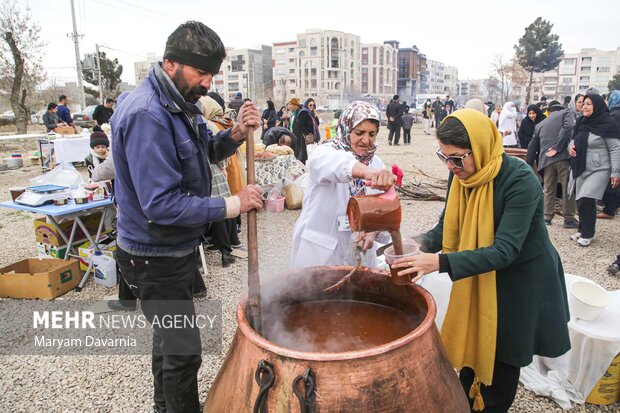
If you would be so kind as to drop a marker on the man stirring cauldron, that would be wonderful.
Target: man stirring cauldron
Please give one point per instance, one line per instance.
(161, 150)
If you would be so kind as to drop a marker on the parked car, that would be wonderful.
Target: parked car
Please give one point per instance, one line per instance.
(84, 118)
(9, 116)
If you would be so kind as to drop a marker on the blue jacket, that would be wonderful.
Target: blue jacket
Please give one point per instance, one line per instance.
(64, 114)
(163, 178)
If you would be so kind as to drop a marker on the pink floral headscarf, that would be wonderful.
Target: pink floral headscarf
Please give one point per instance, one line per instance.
(351, 116)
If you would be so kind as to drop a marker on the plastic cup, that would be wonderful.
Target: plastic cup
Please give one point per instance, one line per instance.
(410, 248)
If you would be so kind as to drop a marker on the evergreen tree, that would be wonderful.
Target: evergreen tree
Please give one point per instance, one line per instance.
(538, 50)
(111, 73)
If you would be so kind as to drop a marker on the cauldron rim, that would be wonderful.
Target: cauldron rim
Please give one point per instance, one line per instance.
(244, 327)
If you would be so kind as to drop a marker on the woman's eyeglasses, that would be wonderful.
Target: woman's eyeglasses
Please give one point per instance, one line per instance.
(456, 161)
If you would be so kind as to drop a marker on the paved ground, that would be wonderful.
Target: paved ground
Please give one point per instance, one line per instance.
(123, 383)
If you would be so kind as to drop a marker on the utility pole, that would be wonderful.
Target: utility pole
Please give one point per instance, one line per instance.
(78, 62)
(101, 90)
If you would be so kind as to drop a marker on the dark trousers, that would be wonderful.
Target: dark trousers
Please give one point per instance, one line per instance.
(586, 208)
(221, 233)
(176, 351)
(124, 291)
(499, 396)
(127, 297)
(394, 133)
(406, 135)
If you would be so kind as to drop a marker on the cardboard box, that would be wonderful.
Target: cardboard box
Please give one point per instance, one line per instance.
(39, 278)
(45, 232)
(65, 130)
(50, 251)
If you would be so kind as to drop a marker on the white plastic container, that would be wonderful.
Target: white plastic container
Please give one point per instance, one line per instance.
(104, 268)
(587, 300)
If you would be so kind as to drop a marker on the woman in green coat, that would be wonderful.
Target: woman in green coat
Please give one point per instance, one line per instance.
(508, 300)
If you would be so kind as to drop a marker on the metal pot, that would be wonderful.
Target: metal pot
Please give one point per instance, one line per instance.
(409, 374)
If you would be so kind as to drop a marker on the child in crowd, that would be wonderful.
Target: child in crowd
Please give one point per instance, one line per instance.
(99, 144)
(407, 124)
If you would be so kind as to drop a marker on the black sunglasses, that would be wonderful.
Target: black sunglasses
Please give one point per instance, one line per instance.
(456, 161)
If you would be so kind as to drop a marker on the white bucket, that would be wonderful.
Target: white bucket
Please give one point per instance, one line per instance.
(14, 163)
(587, 300)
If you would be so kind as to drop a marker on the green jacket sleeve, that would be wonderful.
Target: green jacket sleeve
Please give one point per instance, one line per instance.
(521, 195)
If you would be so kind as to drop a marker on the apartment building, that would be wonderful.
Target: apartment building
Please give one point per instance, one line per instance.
(141, 68)
(379, 77)
(470, 89)
(590, 68)
(440, 79)
(284, 71)
(322, 64)
(411, 71)
(248, 71)
(576, 73)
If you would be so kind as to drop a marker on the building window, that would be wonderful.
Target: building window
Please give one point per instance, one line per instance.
(313, 51)
(279, 50)
(313, 42)
(585, 69)
(567, 80)
(291, 60)
(302, 43)
(313, 72)
(291, 49)
(586, 60)
(603, 69)
(313, 83)
(291, 71)
(571, 61)
(584, 78)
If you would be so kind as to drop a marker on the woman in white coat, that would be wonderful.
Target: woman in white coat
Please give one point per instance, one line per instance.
(338, 170)
(507, 124)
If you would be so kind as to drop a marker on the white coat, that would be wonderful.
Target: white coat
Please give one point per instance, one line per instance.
(508, 122)
(316, 238)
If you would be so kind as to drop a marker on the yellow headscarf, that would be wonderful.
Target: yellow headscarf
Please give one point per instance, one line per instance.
(469, 331)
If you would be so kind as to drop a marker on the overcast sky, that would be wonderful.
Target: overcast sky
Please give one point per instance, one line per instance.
(462, 33)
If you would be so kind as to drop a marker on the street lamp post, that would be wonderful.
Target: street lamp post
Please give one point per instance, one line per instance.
(101, 89)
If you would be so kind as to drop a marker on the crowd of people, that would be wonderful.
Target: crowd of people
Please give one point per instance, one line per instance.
(575, 147)
(491, 329)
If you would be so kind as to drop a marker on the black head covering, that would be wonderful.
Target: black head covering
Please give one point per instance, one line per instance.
(218, 99)
(526, 130)
(599, 123)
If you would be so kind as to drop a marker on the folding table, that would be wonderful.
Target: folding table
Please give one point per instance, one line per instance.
(74, 211)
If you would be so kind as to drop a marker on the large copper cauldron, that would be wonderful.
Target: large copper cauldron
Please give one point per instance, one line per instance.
(409, 374)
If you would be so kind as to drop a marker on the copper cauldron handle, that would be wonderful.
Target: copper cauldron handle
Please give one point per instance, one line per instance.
(265, 377)
(307, 398)
(253, 277)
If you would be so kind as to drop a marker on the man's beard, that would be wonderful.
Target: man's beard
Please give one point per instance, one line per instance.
(189, 94)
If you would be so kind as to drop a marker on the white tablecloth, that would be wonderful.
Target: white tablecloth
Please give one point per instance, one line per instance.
(71, 149)
(572, 376)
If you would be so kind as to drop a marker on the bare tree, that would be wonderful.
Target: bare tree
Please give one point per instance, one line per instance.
(499, 70)
(493, 89)
(20, 58)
